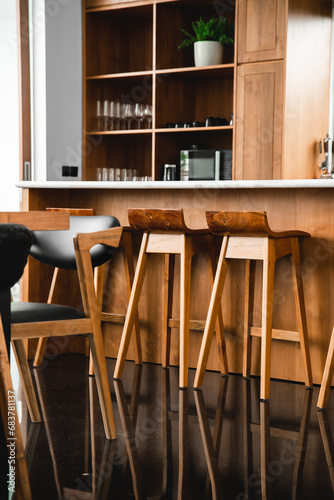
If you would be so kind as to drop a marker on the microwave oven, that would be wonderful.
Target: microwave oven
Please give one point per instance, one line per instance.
(206, 165)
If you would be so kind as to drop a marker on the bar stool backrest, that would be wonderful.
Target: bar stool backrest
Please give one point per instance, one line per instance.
(55, 248)
(160, 220)
(241, 223)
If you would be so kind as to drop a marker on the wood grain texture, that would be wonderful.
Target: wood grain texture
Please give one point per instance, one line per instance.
(23, 53)
(259, 120)
(262, 30)
(305, 209)
(36, 221)
(73, 211)
(245, 223)
(160, 220)
(327, 376)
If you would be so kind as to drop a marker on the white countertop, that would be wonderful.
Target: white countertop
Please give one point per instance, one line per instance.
(276, 184)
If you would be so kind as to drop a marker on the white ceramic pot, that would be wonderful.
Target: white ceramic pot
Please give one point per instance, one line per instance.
(208, 53)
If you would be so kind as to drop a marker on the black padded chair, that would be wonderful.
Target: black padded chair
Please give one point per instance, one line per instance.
(15, 241)
(43, 320)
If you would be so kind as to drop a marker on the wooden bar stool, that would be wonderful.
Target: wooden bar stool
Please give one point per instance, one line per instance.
(165, 232)
(247, 236)
(327, 376)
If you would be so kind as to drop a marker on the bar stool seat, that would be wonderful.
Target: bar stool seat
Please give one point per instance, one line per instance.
(165, 232)
(247, 236)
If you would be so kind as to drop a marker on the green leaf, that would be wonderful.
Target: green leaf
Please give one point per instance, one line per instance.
(215, 29)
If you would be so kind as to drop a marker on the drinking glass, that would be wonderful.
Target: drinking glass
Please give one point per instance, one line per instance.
(148, 115)
(112, 115)
(128, 115)
(117, 115)
(139, 114)
(106, 115)
(111, 174)
(99, 174)
(104, 174)
(123, 121)
(99, 115)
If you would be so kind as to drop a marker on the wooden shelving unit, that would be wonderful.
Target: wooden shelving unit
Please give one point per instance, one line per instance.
(130, 54)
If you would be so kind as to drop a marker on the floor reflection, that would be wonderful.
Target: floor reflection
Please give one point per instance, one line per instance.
(220, 442)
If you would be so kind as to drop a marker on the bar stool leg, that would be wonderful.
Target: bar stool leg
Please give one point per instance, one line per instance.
(42, 341)
(186, 257)
(167, 307)
(300, 310)
(267, 316)
(248, 315)
(27, 383)
(220, 338)
(212, 314)
(129, 274)
(98, 283)
(132, 306)
(327, 376)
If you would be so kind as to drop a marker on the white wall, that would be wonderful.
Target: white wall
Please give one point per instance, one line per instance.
(57, 87)
(9, 132)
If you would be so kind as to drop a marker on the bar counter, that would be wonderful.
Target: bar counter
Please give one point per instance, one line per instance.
(291, 204)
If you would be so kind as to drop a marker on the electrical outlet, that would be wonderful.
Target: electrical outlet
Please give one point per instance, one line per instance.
(67, 171)
(73, 171)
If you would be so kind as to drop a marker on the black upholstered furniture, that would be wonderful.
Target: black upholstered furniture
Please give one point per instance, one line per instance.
(94, 240)
(56, 249)
(15, 241)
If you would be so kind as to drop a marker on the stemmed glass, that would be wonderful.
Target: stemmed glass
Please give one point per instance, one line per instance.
(99, 118)
(128, 115)
(139, 114)
(148, 115)
(112, 115)
(117, 115)
(105, 115)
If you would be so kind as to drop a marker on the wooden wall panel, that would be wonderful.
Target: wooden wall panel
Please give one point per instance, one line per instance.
(262, 29)
(259, 118)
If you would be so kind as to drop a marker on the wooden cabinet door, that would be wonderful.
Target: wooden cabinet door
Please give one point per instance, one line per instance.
(261, 30)
(259, 121)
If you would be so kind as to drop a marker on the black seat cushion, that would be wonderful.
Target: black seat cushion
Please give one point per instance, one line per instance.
(15, 241)
(56, 248)
(32, 312)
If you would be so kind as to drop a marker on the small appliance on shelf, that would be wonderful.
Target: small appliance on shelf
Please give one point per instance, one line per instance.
(206, 164)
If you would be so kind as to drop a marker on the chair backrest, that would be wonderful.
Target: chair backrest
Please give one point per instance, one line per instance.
(15, 242)
(55, 248)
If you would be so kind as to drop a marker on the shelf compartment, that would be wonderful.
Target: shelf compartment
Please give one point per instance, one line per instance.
(119, 41)
(171, 17)
(119, 151)
(183, 99)
(126, 90)
(169, 146)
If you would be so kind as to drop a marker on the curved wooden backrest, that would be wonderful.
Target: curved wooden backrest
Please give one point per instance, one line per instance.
(245, 223)
(73, 211)
(160, 220)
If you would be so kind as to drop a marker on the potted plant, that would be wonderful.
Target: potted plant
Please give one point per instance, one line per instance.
(208, 40)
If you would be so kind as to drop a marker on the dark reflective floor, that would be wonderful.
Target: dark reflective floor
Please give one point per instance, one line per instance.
(220, 442)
